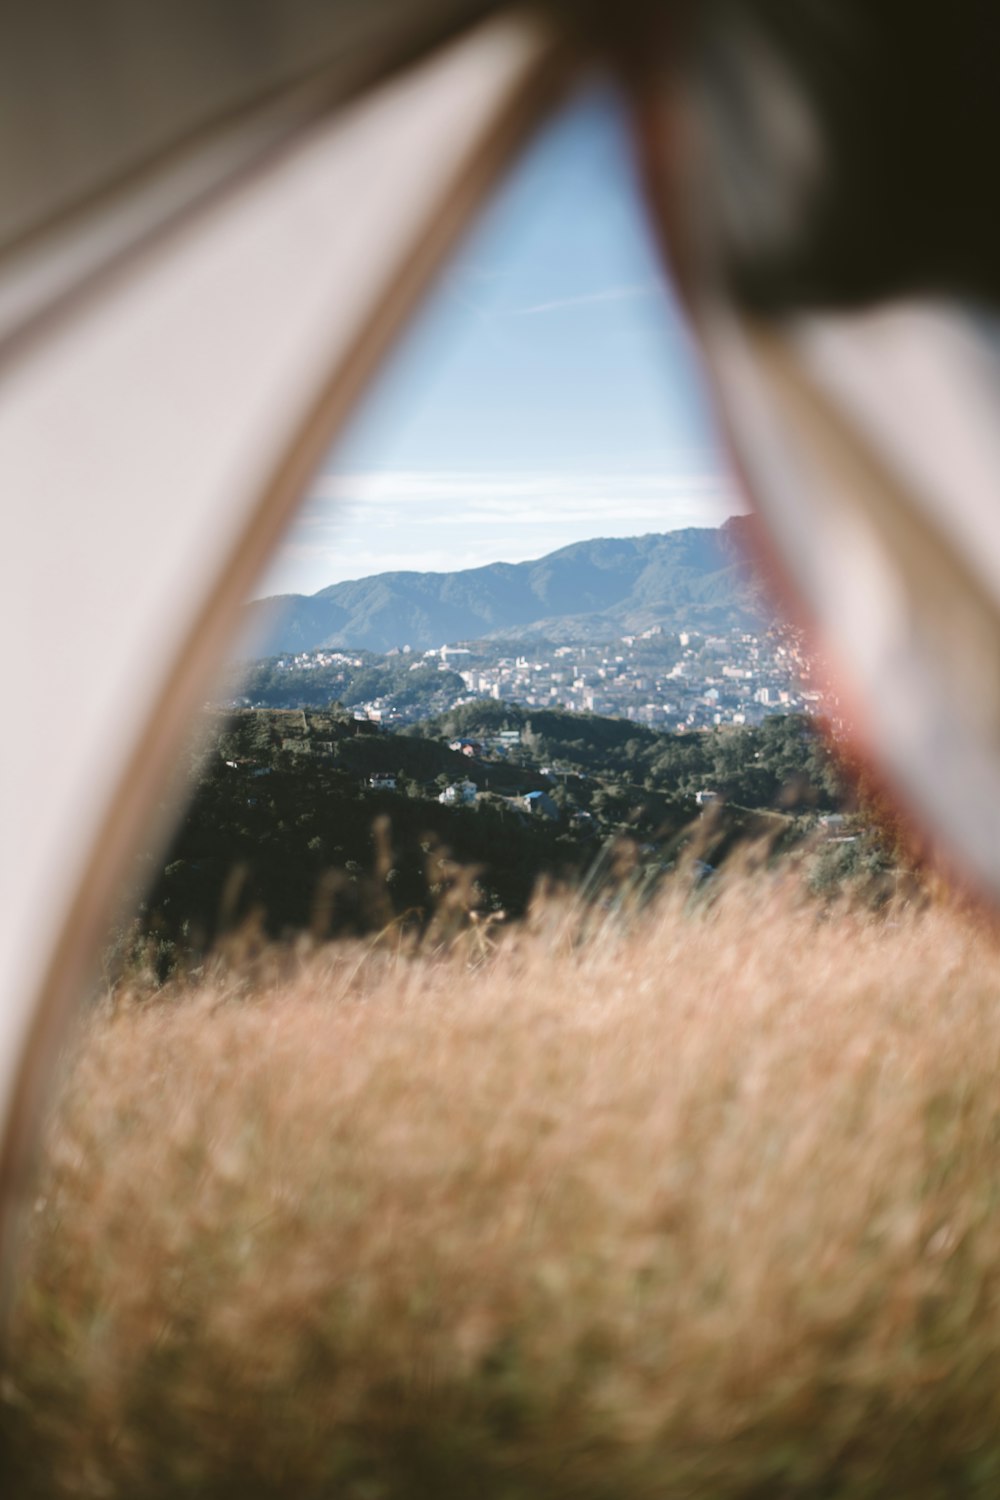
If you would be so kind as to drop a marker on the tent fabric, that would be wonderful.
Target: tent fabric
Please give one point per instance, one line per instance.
(871, 444)
(154, 437)
(840, 260)
(93, 94)
(121, 118)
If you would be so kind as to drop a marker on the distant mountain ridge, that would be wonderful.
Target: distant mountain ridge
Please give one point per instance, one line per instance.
(699, 577)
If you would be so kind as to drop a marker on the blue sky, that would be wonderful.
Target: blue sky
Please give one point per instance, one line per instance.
(546, 393)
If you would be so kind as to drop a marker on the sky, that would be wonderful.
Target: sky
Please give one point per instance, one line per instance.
(546, 393)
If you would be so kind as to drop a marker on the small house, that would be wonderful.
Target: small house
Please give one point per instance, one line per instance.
(382, 782)
(540, 804)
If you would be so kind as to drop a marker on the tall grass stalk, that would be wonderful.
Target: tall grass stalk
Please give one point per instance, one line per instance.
(705, 1203)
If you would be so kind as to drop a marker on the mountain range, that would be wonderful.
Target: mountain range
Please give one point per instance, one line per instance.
(697, 578)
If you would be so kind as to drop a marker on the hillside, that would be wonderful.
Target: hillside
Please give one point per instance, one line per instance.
(306, 821)
(698, 578)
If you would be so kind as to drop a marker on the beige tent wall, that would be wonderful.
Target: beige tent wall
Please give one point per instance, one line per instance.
(872, 445)
(101, 93)
(155, 433)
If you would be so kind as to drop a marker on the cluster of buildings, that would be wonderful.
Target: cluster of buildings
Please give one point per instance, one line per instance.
(312, 661)
(466, 793)
(681, 681)
(677, 681)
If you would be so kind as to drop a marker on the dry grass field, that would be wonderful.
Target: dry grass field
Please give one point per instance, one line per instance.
(701, 1204)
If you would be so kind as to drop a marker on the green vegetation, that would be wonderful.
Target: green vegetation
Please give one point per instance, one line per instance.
(783, 762)
(286, 832)
(358, 678)
(312, 821)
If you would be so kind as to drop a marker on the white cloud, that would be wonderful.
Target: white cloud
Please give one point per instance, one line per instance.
(401, 487)
(356, 524)
(589, 299)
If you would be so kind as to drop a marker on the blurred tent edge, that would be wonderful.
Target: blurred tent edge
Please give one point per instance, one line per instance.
(217, 214)
(826, 154)
(818, 172)
(179, 354)
(99, 98)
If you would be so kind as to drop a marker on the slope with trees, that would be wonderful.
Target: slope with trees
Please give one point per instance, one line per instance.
(698, 578)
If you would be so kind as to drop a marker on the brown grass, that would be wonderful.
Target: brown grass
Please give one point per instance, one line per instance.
(702, 1205)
